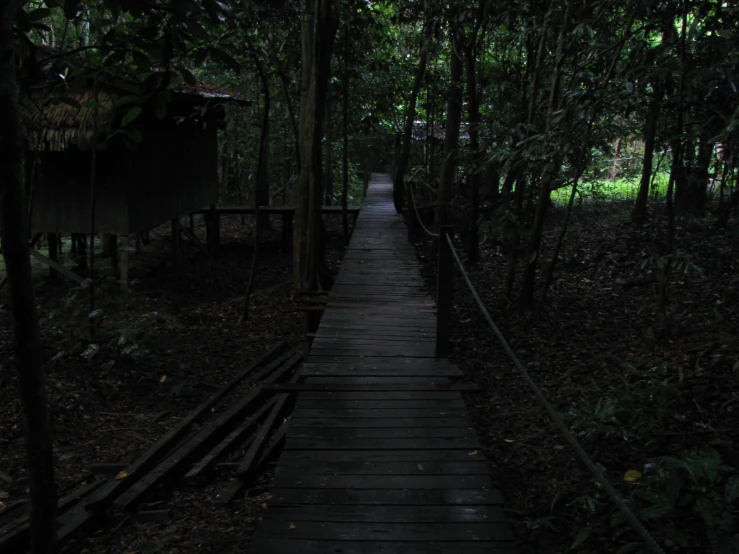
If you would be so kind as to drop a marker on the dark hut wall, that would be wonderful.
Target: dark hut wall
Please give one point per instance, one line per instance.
(61, 193)
(171, 173)
(175, 174)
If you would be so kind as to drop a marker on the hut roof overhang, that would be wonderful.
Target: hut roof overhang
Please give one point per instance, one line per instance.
(58, 114)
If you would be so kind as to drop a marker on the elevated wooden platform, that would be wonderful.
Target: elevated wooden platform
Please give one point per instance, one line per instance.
(392, 469)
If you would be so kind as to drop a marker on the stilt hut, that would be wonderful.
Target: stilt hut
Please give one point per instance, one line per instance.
(155, 154)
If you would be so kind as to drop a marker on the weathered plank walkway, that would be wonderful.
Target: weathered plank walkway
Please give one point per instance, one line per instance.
(392, 471)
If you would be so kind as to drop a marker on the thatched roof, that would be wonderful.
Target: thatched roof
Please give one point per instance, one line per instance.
(71, 119)
(56, 117)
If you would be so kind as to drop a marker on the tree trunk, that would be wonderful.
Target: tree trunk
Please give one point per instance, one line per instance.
(328, 158)
(345, 149)
(650, 133)
(14, 216)
(318, 33)
(410, 116)
(451, 140)
(473, 107)
(261, 184)
(545, 185)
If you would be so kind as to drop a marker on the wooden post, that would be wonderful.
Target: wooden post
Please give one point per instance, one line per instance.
(110, 244)
(122, 260)
(176, 243)
(214, 228)
(287, 229)
(444, 290)
(53, 241)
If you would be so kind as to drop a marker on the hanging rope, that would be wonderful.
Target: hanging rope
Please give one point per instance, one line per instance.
(418, 216)
(557, 420)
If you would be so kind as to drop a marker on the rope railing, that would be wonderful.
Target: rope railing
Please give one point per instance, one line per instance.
(418, 216)
(447, 253)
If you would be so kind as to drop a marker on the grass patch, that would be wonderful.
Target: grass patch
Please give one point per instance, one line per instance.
(607, 190)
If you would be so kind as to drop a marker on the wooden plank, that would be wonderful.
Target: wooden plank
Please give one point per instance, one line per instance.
(396, 395)
(247, 463)
(232, 439)
(401, 455)
(111, 490)
(427, 382)
(379, 444)
(384, 497)
(15, 535)
(349, 413)
(364, 371)
(377, 422)
(263, 544)
(387, 514)
(231, 491)
(339, 435)
(377, 403)
(209, 433)
(379, 532)
(295, 470)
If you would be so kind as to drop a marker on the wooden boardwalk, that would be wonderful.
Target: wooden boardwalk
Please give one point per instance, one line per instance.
(392, 471)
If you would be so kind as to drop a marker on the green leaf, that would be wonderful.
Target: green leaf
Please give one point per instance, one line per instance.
(136, 136)
(731, 490)
(582, 536)
(224, 59)
(657, 510)
(188, 77)
(132, 114)
(39, 13)
(123, 100)
(141, 59)
(90, 351)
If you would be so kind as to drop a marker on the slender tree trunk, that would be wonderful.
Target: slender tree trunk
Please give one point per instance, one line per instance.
(252, 269)
(14, 216)
(650, 134)
(410, 116)
(677, 165)
(261, 184)
(473, 108)
(301, 196)
(545, 185)
(451, 140)
(328, 157)
(345, 149)
(318, 33)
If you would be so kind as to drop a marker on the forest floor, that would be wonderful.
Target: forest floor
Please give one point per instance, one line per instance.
(634, 398)
(665, 407)
(163, 349)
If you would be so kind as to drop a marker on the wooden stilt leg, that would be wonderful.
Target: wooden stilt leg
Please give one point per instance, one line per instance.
(122, 256)
(53, 239)
(111, 245)
(176, 243)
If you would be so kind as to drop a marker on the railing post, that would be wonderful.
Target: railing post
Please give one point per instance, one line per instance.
(444, 290)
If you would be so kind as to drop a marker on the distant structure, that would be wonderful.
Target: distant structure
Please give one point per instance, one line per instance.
(160, 166)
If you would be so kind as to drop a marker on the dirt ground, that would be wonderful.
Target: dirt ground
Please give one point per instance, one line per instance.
(163, 349)
(597, 340)
(166, 346)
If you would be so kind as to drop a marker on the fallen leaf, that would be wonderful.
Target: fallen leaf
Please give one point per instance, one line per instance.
(420, 467)
(292, 526)
(473, 453)
(632, 476)
(121, 475)
(164, 378)
(264, 505)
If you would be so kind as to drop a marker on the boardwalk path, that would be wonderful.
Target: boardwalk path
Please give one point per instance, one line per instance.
(395, 471)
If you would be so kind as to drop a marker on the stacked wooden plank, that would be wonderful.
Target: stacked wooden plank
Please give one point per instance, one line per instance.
(383, 459)
(240, 416)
